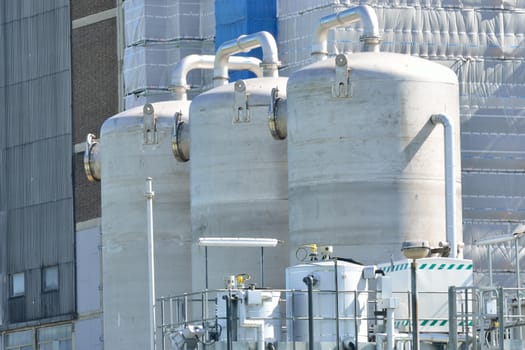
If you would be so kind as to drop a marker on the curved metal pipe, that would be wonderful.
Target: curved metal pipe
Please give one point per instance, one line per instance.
(363, 13)
(245, 43)
(180, 86)
(450, 180)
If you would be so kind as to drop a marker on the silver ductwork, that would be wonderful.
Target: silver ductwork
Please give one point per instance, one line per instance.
(450, 180)
(245, 43)
(363, 13)
(184, 66)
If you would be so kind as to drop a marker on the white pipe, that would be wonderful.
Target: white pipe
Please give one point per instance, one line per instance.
(363, 13)
(149, 194)
(245, 43)
(184, 66)
(450, 180)
(390, 328)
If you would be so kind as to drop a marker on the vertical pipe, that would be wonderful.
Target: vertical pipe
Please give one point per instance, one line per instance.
(501, 319)
(206, 266)
(162, 303)
(229, 341)
(389, 328)
(490, 265)
(450, 180)
(518, 282)
(149, 194)
(356, 329)
(337, 339)
(415, 321)
(262, 267)
(309, 281)
(452, 319)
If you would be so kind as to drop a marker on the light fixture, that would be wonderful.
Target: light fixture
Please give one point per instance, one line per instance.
(416, 249)
(237, 242)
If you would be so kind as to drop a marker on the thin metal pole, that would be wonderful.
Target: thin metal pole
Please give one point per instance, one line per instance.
(452, 319)
(262, 267)
(336, 281)
(501, 315)
(206, 265)
(490, 265)
(149, 194)
(415, 321)
(518, 282)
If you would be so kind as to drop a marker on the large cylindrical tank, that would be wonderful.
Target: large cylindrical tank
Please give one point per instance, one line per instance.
(345, 300)
(136, 144)
(366, 165)
(238, 182)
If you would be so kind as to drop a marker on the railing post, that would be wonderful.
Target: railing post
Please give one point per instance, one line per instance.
(501, 319)
(452, 319)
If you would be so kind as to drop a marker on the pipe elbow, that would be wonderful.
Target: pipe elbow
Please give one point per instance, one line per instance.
(363, 13)
(369, 20)
(441, 119)
(245, 43)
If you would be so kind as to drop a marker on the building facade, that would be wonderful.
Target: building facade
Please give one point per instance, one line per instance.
(68, 65)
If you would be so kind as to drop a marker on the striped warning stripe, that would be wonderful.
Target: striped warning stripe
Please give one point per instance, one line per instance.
(430, 323)
(427, 266)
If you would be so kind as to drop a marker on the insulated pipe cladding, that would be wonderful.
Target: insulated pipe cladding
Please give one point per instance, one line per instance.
(363, 13)
(245, 43)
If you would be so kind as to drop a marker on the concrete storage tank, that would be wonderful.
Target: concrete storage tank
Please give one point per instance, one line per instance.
(238, 172)
(366, 167)
(134, 145)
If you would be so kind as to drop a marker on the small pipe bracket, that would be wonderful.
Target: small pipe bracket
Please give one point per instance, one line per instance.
(150, 125)
(341, 87)
(241, 110)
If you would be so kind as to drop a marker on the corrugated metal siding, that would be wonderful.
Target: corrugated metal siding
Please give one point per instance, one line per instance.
(36, 190)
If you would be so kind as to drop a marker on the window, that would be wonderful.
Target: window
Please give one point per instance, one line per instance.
(18, 284)
(55, 338)
(19, 340)
(50, 278)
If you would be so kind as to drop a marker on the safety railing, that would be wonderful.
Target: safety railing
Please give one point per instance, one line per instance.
(486, 318)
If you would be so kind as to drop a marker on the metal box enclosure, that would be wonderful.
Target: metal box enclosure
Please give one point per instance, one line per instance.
(349, 304)
(434, 277)
(366, 166)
